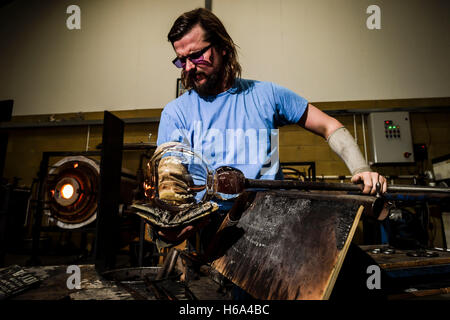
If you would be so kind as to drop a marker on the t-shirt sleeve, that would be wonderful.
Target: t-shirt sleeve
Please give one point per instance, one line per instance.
(289, 105)
(170, 128)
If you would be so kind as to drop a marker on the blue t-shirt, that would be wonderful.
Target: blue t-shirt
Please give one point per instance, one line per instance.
(237, 128)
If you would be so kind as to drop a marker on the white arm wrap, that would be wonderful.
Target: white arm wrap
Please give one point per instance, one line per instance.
(342, 142)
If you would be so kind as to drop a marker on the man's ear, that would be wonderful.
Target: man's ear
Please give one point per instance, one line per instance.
(224, 52)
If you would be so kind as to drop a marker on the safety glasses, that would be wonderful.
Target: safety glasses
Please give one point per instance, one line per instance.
(195, 58)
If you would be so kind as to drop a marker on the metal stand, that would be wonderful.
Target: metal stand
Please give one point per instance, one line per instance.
(311, 168)
(5, 192)
(109, 193)
(5, 115)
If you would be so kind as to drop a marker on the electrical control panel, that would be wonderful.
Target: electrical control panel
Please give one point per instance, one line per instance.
(390, 137)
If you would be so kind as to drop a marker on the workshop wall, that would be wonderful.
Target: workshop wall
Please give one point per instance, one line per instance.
(120, 59)
(25, 146)
(325, 51)
(429, 128)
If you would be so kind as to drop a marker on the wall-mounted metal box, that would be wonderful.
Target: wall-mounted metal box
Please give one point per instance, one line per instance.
(390, 137)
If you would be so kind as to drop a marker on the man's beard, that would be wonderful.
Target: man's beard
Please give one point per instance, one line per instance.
(210, 87)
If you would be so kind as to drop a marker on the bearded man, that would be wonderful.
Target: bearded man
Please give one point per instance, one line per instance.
(233, 121)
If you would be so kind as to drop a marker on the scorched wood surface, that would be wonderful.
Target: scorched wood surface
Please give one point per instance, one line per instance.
(290, 244)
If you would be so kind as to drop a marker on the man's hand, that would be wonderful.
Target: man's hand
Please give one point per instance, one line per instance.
(370, 180)
(179, 235)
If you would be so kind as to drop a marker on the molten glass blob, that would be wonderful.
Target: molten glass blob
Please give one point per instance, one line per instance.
(177, 178)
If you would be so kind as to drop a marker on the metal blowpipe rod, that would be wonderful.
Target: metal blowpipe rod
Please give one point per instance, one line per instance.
(288, 184)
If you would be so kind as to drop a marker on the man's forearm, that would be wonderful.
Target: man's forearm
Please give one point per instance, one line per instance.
(342, 142)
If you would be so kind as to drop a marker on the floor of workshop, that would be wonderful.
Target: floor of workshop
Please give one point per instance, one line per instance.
(123, 261)
(54, 260)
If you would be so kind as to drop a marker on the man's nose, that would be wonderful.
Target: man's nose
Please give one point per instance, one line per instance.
(189, 65)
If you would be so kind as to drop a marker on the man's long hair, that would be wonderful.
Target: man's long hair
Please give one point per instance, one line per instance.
(215, 33)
